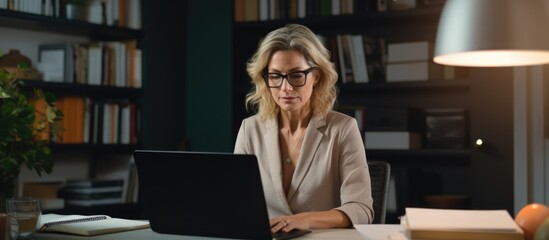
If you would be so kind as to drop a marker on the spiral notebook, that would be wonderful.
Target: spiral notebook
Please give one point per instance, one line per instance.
(88, 225)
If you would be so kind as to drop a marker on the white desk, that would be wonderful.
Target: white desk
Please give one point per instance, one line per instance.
(342, 234)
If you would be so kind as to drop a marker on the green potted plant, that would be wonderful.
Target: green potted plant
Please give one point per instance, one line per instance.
(26, 121)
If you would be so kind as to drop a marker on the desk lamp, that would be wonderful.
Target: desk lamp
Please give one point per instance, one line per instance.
(493, 33)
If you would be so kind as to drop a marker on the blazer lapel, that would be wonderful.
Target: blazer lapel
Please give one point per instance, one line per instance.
(273, 154)
(311, 141)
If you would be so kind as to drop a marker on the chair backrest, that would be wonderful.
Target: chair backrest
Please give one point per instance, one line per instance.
(380, 173)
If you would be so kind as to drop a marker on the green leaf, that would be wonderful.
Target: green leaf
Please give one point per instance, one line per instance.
(18, 147)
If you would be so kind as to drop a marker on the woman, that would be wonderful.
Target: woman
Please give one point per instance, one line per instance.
(312, 159)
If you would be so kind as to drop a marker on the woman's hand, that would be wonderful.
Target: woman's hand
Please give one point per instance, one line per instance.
(289, 223)
(307, 220)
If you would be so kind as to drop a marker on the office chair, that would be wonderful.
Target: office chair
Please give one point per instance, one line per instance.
(380, 173)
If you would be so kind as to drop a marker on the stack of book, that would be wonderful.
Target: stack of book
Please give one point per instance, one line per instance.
(92, 192)
(394, 128)
(423, 223)
(411, 61)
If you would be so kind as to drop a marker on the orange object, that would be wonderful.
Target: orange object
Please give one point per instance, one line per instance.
(543, 230)
(530, 217)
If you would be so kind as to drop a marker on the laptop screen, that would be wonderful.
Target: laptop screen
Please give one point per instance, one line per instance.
(203, 194)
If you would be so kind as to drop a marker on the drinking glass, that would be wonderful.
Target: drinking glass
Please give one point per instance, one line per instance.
(26, 212)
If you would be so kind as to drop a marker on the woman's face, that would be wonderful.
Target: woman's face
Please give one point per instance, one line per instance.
(288, 97)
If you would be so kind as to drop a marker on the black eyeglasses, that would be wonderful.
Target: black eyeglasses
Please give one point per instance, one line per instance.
(296, 79)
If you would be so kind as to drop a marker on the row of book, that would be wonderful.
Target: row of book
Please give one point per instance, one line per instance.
(360, 58)
(411, 128)
(99, 122)
(264, 10)
(123, 13)
(99, 63)
(363, 59)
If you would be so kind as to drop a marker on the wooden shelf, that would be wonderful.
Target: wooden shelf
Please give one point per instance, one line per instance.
(342, 23)
(435, 84)
(439, 156)
(35, 22)
(85, 90)
(96, 148)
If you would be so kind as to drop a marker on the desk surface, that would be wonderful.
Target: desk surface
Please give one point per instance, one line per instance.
(343, 234)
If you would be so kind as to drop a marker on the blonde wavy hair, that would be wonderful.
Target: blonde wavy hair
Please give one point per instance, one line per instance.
(302, 39)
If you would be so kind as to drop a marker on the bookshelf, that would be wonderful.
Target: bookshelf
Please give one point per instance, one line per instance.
(457, 171)
(26, 31)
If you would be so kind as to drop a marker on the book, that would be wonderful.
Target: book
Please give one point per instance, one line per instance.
(94, 196)
(344, 54)
(94, 183)
(93, 202)
(424, 223)
(392, 140)
(410, 51)
(414, 71)
(358, 59)
(374, 50)
(88, 225)
(56, 62)
(91, 190)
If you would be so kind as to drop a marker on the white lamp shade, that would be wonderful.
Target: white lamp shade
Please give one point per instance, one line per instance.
(493, 33)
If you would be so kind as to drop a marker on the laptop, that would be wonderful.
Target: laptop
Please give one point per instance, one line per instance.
(204, 194)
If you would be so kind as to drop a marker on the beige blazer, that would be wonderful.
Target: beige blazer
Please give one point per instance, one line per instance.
(331, 172)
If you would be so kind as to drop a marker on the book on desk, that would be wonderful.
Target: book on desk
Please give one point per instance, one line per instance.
(445, 224)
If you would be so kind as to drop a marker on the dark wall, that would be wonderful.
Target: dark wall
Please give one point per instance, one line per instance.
(188, 77)
(209, 75)
(164, 70)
